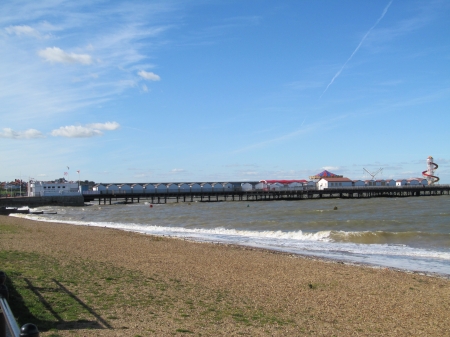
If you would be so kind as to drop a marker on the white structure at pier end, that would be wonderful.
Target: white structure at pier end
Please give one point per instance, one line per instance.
(49, 189)
(333, 183)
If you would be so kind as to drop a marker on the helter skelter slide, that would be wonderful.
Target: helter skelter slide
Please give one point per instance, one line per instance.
(429, 173)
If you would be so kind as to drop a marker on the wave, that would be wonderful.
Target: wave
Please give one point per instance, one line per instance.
(373, 248)
(410, 238)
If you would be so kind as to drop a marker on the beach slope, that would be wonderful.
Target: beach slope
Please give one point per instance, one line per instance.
(94, 281)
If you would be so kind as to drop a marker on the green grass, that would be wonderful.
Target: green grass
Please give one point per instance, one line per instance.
(60, 294)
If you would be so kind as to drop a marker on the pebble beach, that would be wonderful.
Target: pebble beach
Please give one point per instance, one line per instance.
(281, 294)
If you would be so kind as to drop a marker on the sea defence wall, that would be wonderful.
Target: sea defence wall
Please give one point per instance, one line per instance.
(76, 200)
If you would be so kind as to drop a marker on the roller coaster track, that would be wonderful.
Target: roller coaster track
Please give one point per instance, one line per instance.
(436, 179)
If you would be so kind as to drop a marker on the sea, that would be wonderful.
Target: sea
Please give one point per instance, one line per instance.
(410, 234)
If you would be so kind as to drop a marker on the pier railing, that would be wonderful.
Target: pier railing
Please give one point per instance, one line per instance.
(8, 324)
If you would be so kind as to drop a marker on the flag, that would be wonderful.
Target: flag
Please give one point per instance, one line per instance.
(78, 171)
(65, 173)
(67, 167)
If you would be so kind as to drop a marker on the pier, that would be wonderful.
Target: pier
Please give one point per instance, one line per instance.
(267, 195)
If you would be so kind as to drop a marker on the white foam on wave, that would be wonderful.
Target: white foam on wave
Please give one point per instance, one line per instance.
(298, 242)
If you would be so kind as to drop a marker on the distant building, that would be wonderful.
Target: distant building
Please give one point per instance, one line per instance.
(358, 183)
(246, 187)
(137, 188)
(400, 182)
(44, 189)
(324, 183)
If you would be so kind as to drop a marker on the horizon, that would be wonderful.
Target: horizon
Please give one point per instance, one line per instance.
(169, 91)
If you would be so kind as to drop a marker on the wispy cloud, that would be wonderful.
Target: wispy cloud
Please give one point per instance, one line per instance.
(302, 130)
(357, 48)
(55, 54)
(112, 42)
(27, 134)
(149, 76)
(22, 30)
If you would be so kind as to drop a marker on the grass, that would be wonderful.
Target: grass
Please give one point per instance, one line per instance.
(60, 294)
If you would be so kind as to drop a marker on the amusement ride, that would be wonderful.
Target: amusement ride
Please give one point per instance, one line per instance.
(429, 173)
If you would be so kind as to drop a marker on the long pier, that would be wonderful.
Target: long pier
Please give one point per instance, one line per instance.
(266, 195)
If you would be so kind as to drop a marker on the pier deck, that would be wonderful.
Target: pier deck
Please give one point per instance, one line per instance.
(262, 195)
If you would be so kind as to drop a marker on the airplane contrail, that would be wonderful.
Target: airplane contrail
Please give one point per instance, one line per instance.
(359, 45)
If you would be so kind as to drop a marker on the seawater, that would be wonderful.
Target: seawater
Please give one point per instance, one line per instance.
(405, 233)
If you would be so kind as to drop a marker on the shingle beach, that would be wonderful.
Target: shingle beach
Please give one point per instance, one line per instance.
(179, 287)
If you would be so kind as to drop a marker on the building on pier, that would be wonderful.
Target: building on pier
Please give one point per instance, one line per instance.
(124, 188)
(331, 182)
(50, 188)
(99, 188)
(358, 183)
(112, 188)
(137, 188)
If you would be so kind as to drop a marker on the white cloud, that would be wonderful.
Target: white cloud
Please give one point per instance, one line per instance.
(22, 30)
(90, 130)
(149, 75)
(177, 170)
(28, 134)
(104, 126)
(56, 54)
(74, 131)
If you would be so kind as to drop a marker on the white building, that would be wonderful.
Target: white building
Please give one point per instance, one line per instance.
(400, 182)
(246, 187)
(228, 186)
(184, 188)
(172, 188)
(358, 183)
(330, 182)
(390, 182)
(217, 187)
(310, 185)
(261, 186)
(417, 182)
(195, 187)
(161, 188)
(275, 186)
(149, 188)
(380, 182)
(137, 188)
(206, 187)
(48, 189)
(124, 188)
(112, 188)
(369, 182)
(99, 188)
(295, 186)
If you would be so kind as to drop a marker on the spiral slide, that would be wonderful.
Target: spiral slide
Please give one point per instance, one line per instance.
(436, 179)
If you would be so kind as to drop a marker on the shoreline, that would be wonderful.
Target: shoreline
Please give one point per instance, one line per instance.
(274, 250)
(303, 295)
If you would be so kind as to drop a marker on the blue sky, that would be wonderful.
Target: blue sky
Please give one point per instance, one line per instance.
(161, 91)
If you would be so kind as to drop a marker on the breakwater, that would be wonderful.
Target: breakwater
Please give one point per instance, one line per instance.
(76, 200)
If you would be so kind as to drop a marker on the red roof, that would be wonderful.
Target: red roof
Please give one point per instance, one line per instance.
(283, 181)
(337, 179)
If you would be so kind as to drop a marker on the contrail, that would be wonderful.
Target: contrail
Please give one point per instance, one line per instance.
(359, 45)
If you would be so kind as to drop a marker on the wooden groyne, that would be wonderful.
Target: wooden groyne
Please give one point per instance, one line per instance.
(266, 195)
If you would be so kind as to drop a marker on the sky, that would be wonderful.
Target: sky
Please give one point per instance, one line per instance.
(223, 90)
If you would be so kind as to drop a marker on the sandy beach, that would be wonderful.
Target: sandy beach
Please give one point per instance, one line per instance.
(218, 290)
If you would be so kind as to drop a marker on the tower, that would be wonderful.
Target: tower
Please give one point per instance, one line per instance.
(429, 173)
